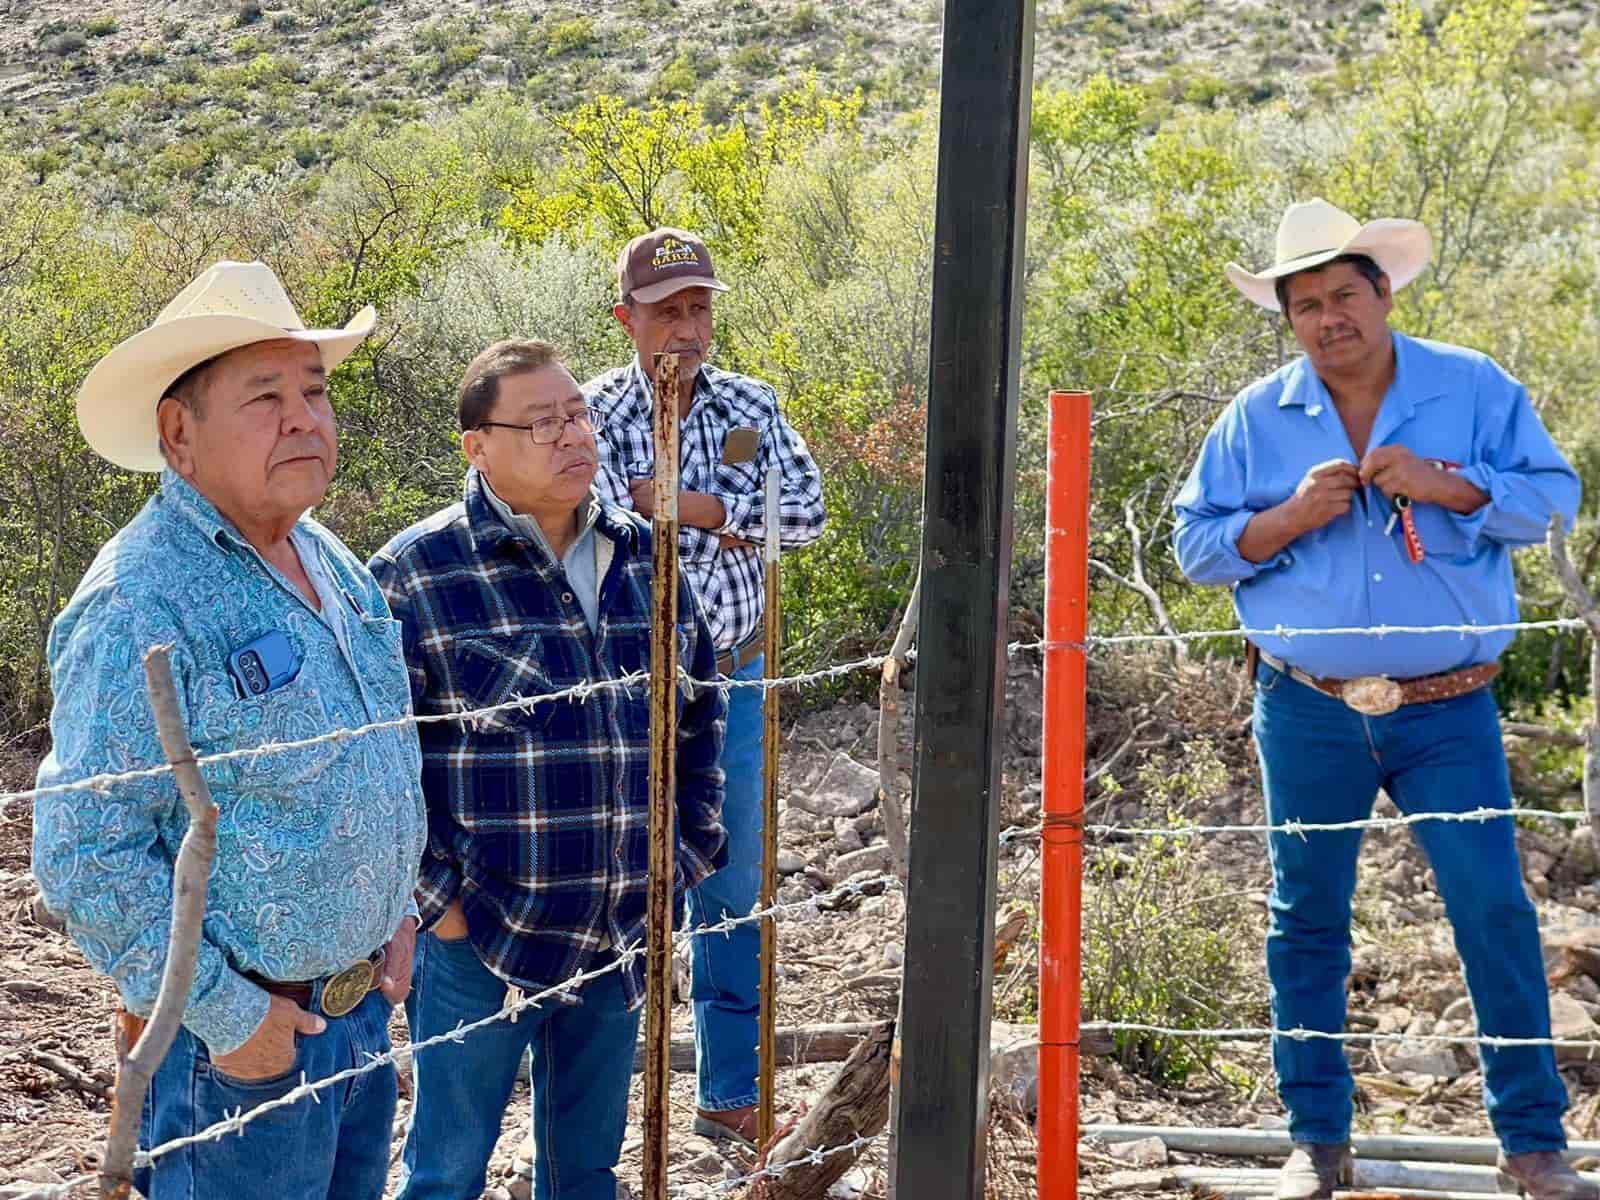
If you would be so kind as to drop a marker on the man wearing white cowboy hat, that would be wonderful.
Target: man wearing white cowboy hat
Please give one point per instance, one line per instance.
(278, 634)
(1382, 480)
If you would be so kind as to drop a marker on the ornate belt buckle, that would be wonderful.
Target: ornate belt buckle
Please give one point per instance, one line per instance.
(1372, 695)
(344, 991)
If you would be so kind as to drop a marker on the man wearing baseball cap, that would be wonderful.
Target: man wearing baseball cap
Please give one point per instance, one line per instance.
(731, 434)
(277, 634)
(1382, 480)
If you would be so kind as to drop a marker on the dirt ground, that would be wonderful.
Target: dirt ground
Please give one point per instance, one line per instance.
(840, 965)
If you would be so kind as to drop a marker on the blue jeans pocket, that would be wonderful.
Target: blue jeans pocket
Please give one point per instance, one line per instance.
(251, 1092)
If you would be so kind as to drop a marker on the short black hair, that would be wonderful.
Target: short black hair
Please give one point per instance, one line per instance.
(1365, 267)
(189, 388)
(480, 384)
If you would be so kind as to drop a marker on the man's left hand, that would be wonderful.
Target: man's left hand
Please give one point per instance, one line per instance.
(397, 957)
(643, 492)
(1397, 471)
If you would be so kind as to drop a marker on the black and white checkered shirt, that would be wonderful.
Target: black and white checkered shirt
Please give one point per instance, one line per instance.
(730, 582)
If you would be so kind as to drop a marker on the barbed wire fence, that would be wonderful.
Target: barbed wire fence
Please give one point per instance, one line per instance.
(238, 1123)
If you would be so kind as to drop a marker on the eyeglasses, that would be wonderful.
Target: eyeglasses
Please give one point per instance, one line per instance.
(546, 431)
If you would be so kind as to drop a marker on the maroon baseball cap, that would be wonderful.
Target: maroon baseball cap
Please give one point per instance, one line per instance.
(655, 265)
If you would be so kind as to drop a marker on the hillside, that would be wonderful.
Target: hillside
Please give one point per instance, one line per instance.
(119, 88)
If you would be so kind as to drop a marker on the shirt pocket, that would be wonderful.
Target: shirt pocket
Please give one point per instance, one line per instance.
(380, 658)
(495, 671)
(295, 712)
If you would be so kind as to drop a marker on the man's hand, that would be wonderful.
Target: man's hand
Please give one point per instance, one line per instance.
(451, 927)
(727, 541)
(643, 492)
(270, 1050)
(1324, 495)
(1399, 472)
(397, 956)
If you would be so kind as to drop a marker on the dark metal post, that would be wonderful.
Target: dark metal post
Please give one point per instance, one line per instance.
(966, 581)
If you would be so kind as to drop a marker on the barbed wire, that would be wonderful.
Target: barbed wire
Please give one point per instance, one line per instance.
(821, 1154)
(1292, 827)
(583, 691)
(237, 1122)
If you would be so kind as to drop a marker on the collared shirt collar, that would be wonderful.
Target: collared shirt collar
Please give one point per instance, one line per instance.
(190, 503)
(645, 386)
(1412, 384)
(491, 520)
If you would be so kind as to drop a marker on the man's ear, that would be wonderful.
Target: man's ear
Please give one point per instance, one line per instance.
(472, 447)
(175, 423)
(624, 316)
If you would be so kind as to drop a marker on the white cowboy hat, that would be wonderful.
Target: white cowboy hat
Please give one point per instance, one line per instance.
(230, 305)
(1316, 232)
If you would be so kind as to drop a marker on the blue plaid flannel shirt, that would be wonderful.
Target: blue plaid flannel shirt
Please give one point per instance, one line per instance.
(538, 819)
(731, 583)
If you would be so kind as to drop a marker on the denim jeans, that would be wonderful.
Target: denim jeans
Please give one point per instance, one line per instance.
(1323, 762)
(726, 967)
(338, 1148)
(582, 1064)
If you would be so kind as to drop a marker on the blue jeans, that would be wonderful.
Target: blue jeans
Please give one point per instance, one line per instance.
(726, 967)
(338, 1148)
(582, 1063)
(1322, 761)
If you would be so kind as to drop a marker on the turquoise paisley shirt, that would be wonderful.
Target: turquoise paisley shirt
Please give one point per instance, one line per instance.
(317, 848)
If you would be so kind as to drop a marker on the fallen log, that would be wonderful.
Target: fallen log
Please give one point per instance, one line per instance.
(855, 1105)
(797, 1044)
(1268, 1143)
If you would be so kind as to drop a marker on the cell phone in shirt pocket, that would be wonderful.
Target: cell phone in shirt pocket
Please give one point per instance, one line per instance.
(260, 666)
(740, 445)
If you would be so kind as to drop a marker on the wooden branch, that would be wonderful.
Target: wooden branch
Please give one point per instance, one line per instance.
(896, 827)
(855, 1104)
(190, 874)
(1542, 733)
(94, 1085)
(1583, 600)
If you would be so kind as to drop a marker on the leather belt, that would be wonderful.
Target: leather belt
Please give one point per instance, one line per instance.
(1377, 695)
(745, 652)
(341, 991)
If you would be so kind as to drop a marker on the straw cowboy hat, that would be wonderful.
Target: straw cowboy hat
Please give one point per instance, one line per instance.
(1316, 232)
(230, 305)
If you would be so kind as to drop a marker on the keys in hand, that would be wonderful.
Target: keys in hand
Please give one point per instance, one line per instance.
(1398, 503)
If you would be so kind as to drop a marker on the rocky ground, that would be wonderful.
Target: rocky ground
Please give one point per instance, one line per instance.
(840, 964)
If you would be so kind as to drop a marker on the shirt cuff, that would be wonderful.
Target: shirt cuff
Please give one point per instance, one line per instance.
(693, 869)
(739, 510)
(1228, 548)
(1471, 525)
(228, 1014)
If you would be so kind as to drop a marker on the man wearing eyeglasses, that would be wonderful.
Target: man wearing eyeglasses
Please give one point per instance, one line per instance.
(538, 812)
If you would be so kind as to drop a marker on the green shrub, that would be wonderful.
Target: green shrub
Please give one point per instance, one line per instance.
(103, 25)
(804, 18)
(249, 13)
(570, 35)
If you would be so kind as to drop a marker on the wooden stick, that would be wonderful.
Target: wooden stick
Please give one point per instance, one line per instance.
(190, 874)
(1583, 600)
(765, 1118)
(663, 781)
(896, 828)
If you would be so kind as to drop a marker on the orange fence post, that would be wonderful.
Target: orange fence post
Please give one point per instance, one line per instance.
(1066, 623)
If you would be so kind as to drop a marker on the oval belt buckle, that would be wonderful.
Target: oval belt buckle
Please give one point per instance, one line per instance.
(344, 991)
(1372, 695)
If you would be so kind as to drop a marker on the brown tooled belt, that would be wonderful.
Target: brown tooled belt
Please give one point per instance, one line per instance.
(341, 991)
(730, 661)
(1377, 695)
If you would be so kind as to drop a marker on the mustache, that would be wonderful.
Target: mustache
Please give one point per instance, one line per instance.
(300, 448)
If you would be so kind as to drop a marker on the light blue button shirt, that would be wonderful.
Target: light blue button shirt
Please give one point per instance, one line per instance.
(1446, 403)
(317, 848)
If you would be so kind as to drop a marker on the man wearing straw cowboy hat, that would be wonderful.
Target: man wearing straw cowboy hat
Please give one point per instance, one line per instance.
(278, 634)
(1382, 480)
